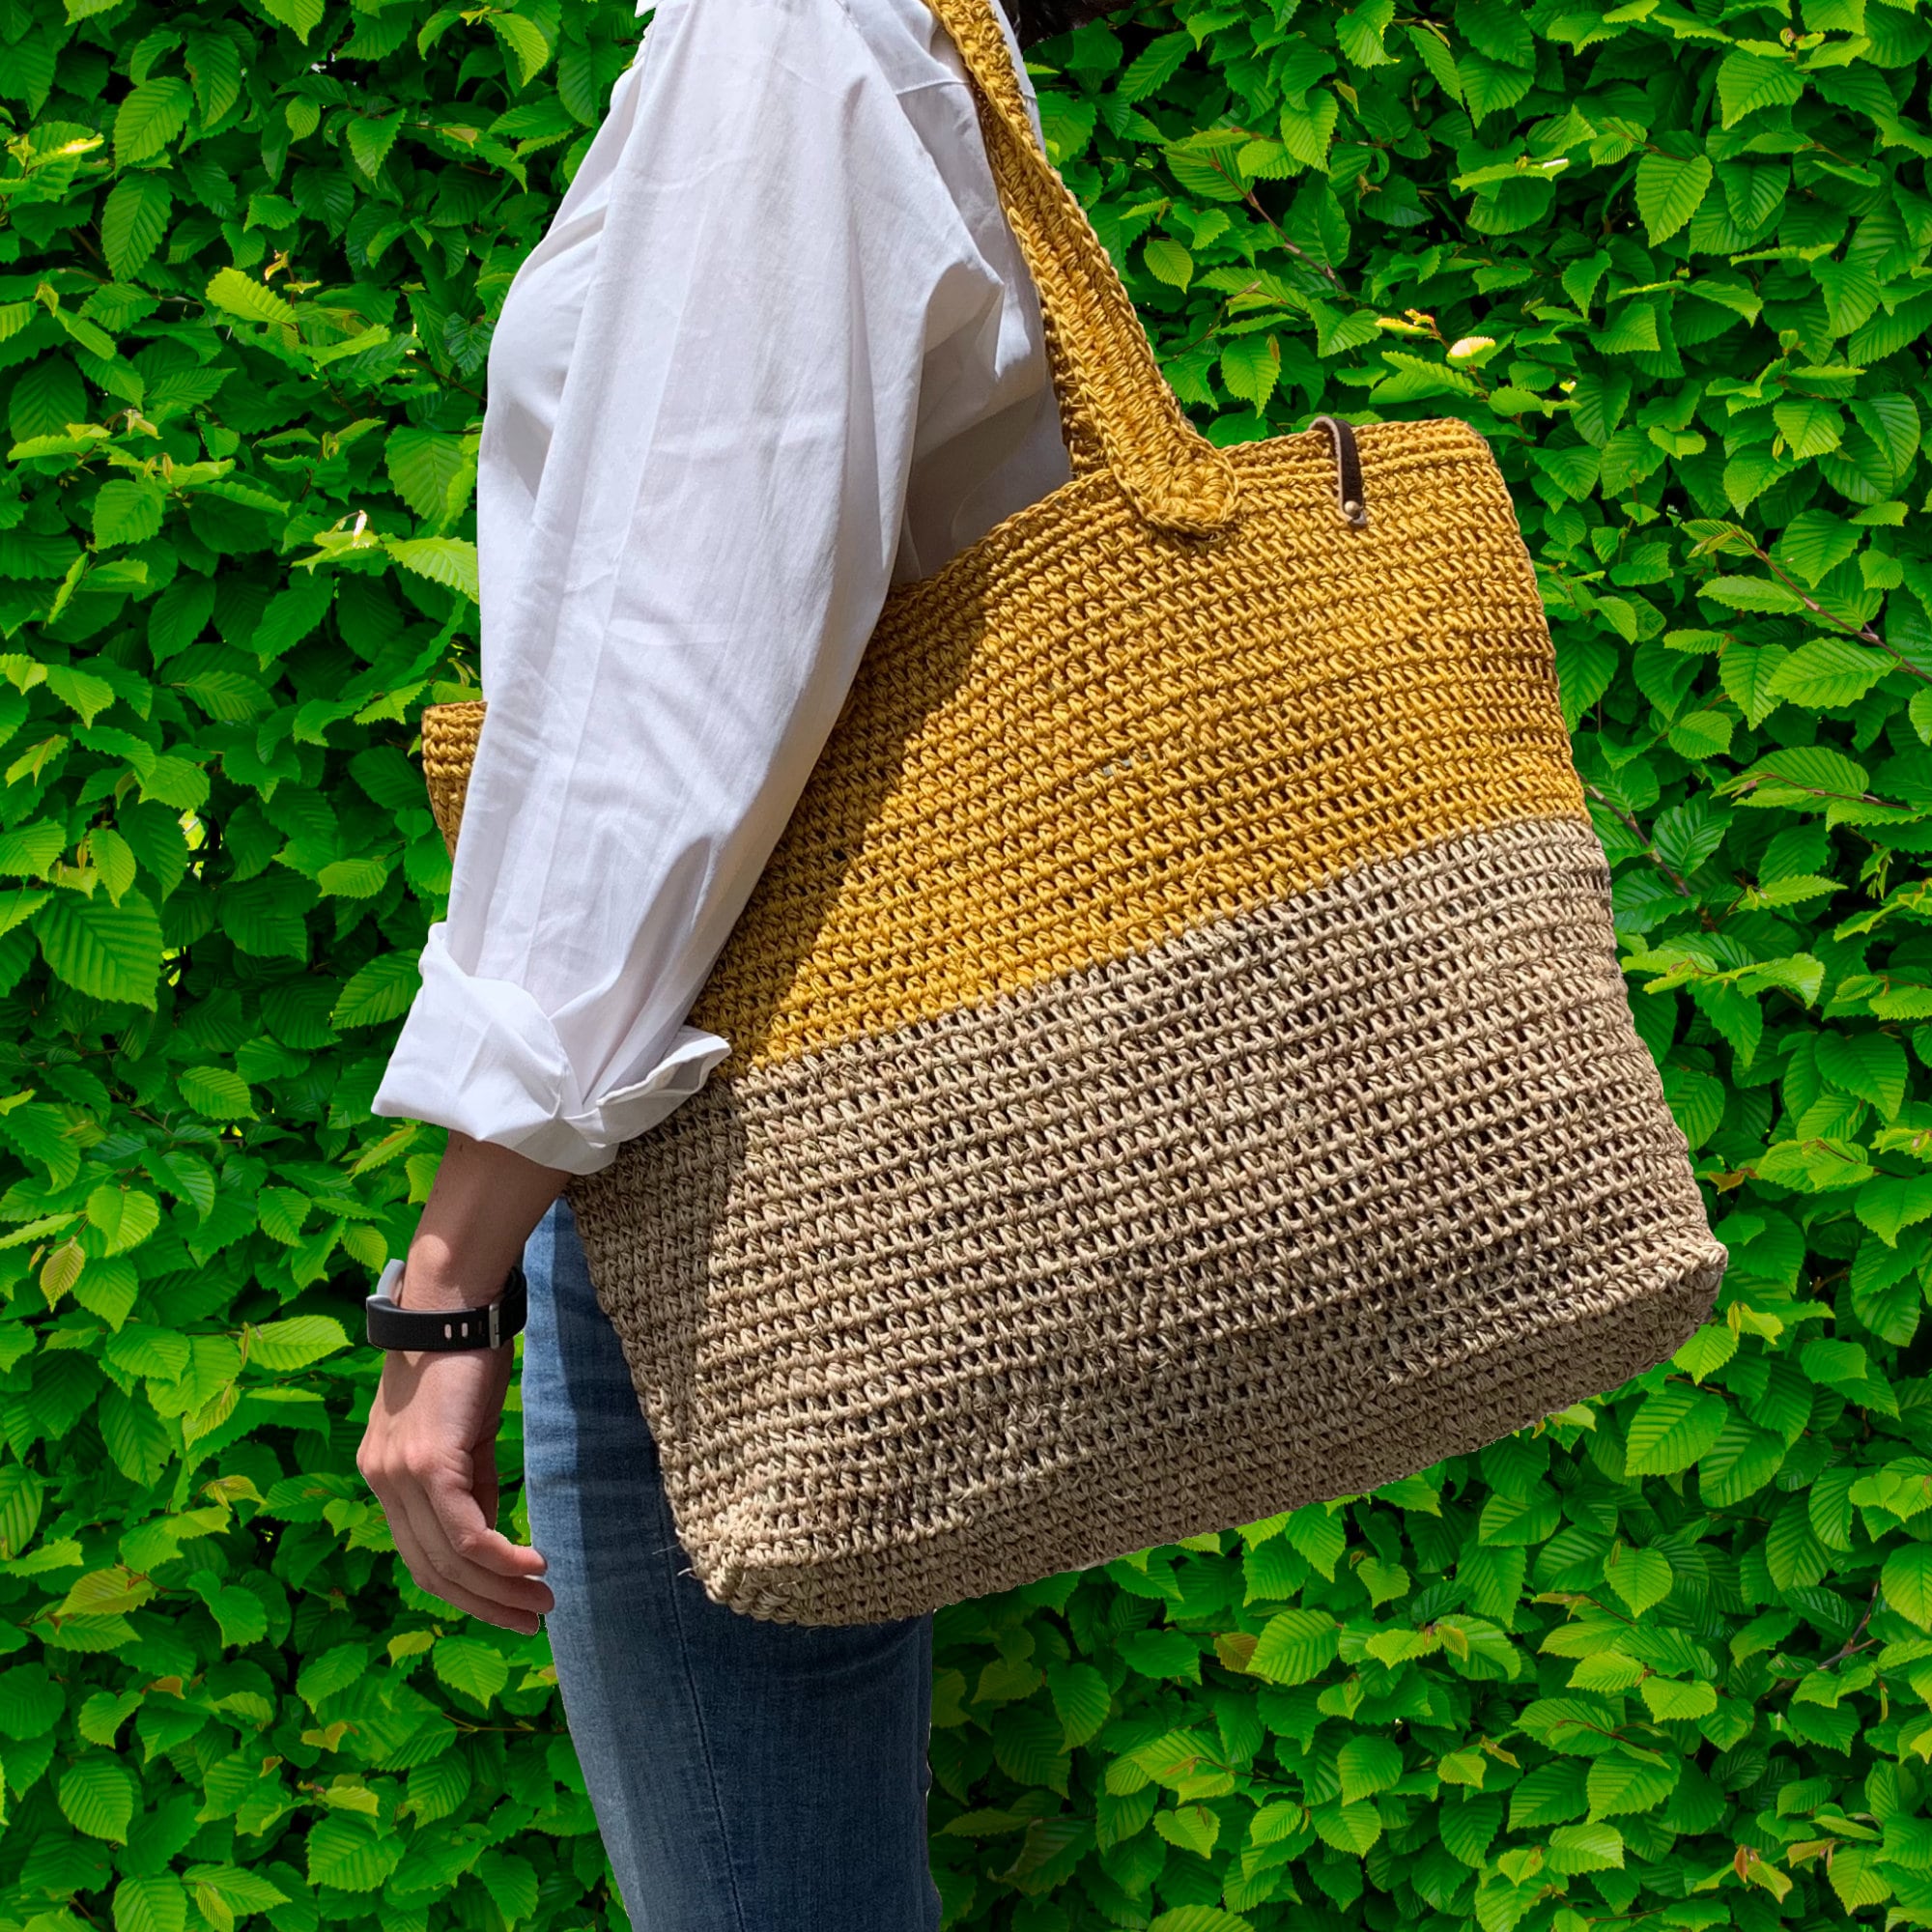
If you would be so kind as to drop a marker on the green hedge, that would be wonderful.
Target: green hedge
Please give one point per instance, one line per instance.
(1668, 1658)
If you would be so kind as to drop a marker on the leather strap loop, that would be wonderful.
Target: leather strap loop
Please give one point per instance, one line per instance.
(1352, 498)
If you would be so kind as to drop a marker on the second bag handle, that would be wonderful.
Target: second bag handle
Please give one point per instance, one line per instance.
(1116, 405)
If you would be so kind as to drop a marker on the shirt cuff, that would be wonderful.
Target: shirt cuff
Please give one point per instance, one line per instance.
(482, 1056)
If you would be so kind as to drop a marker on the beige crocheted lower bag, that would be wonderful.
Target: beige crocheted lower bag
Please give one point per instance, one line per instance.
(1180, 1067)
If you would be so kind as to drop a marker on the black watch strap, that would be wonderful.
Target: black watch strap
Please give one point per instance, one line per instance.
(438, 1329)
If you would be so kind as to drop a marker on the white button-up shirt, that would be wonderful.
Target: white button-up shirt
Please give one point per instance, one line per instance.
(776, 353)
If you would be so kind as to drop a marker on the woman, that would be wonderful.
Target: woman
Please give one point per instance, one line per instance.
(776, 353)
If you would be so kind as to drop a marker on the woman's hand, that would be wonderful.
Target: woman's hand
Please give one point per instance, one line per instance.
(428, 1451)
(430, 1455)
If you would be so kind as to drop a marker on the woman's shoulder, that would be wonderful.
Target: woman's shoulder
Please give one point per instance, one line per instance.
(891, 15)
(912, 42)
(907, 36)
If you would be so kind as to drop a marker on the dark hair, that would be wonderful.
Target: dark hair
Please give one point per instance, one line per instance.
(1040, 19)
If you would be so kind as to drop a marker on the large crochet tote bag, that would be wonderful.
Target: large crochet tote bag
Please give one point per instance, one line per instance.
(1180, 1067)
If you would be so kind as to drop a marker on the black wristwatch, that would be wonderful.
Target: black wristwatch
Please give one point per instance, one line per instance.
(490, 1327)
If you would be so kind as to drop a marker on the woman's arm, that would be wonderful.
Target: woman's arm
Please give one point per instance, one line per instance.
(484, 1205)
(675, 609)
(671, 621)
(430, 1449)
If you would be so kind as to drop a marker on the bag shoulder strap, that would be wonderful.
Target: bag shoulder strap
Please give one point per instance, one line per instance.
(1117, 408)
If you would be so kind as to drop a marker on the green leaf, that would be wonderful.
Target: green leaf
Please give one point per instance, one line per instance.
(467, 1664)
(1250, 367)
(1641, 1578)
(1800, 775)
(511, 1882)
(1368, 1765)
(1318, 1535)
(1469, 1827)
(127, 513)
(1907, 1582)
(264, 917)
(97, 1795)
(1851, 292)
(29, 850)
(378, 992)
(1669, 190)
(1360, 34)
(81, 691)
(1620, 1786)
(1081, 1698)
(444, 560)
(1295, 1646)
(214, 66)
(370, 139)
(1826, 671)
(113, 859)
(111, 952)
(295, 1343)
(1161, 1654)
(353, 878)
(301, 17)
(346, 1851)
(1168, 260)
(1748, 82)
(132, 222)
(292, 616)
(124, 1216)
(1870, 1064)
(239, 1613)
(1308, 131)
(1352, 1829)
(154, 1903)
(219, 1092)
(1489, 86)
(525, 42)
(1810, 425)
(149, 117)
(1669, 1701)
(1154, 66)
(1631, 332)
(1671, 1430)
(1738, 1464)
(1434, 48)
(1814, 543)
(424, 465)
(1028, 1746)
(1573, 1849)
(1858, 1878)
(1193, 1827)
(240, 294)
(1752, 593)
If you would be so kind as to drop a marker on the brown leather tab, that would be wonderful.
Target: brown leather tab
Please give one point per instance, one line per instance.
(1350, 497)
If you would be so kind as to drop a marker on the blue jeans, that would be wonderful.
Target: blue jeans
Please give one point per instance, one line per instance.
(747, 1776)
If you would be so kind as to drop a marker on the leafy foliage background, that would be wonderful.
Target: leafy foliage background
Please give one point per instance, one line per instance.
(1668, 1658)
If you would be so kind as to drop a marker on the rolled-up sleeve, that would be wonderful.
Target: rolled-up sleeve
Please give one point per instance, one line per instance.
(709, 544)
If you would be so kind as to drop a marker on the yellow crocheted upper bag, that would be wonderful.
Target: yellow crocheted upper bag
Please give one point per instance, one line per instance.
(1180, 1067)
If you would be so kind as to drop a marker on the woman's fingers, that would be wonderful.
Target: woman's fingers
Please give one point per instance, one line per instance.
(429, 1579)
(430, 1456)
(443, 1571)
(464, 1548)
